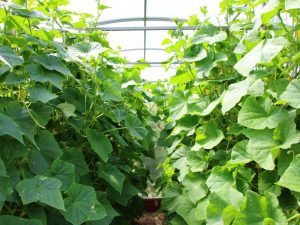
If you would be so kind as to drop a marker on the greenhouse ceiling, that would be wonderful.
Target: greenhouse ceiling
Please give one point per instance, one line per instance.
(138, 27)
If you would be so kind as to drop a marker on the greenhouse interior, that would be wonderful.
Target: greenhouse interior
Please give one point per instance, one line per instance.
(147, 112)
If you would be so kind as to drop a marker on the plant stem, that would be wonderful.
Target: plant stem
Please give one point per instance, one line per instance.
(115, 129)
(293, 217)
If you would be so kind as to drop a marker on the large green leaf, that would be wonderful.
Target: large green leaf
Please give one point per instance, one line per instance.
(112, 175)
(13, 220)
(291, 177)
(39, 93)
(239, 154)
(234, 94)
(264, 145)
(209, 136)
(98, 212)
(194, 187)
(172, 197)
(128, 192)
(2, 169)
(266, 182)
(100, 144)
(204, 66)
(194, 53)
(9, 57)
(51, 62)
(261, 113)
(291, 95)
(10, 127)
(40, 74)
(135, 127)
(178, 105)
(75, 156)
(198, 160)
(186, 123)
(221, 203)
(292, 4)
(22, 117)
(188, 211)
(30, 13)
(67, 109)
(63, 171)
(86, 50)
(6, 189)
(219, 179)
(79, 204)
(48, 145)
(264, 52)
(41, 189)
(110, 211)
(41, 112)
(48, 151)
(260, 210)
(112, 91)
(262, 148)
(210, 34)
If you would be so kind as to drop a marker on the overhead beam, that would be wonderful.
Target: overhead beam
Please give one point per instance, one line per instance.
(134, 19)
(138, 28)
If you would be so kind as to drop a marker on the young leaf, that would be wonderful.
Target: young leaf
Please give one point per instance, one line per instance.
(100, 144)
(41, 189)
(261, 114)
(9, 57)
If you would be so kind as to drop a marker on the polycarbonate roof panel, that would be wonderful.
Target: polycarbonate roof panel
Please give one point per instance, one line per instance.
(122, 9)
(130, 14)
(173, 8)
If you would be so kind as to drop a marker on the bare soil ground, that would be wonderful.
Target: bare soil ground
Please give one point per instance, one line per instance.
(151, 219)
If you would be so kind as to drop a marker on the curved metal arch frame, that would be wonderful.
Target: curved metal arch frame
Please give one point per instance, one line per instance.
(136, 19)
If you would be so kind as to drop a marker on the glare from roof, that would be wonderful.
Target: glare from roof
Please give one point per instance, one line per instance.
(131, 43)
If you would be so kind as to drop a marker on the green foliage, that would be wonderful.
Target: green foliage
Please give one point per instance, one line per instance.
(231, 120)
(71, 135)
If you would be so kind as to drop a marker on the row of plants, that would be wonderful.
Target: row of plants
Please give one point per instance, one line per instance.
(74, 120)
(231, 117)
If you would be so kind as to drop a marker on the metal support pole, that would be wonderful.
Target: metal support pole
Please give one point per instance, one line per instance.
(145, 25)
